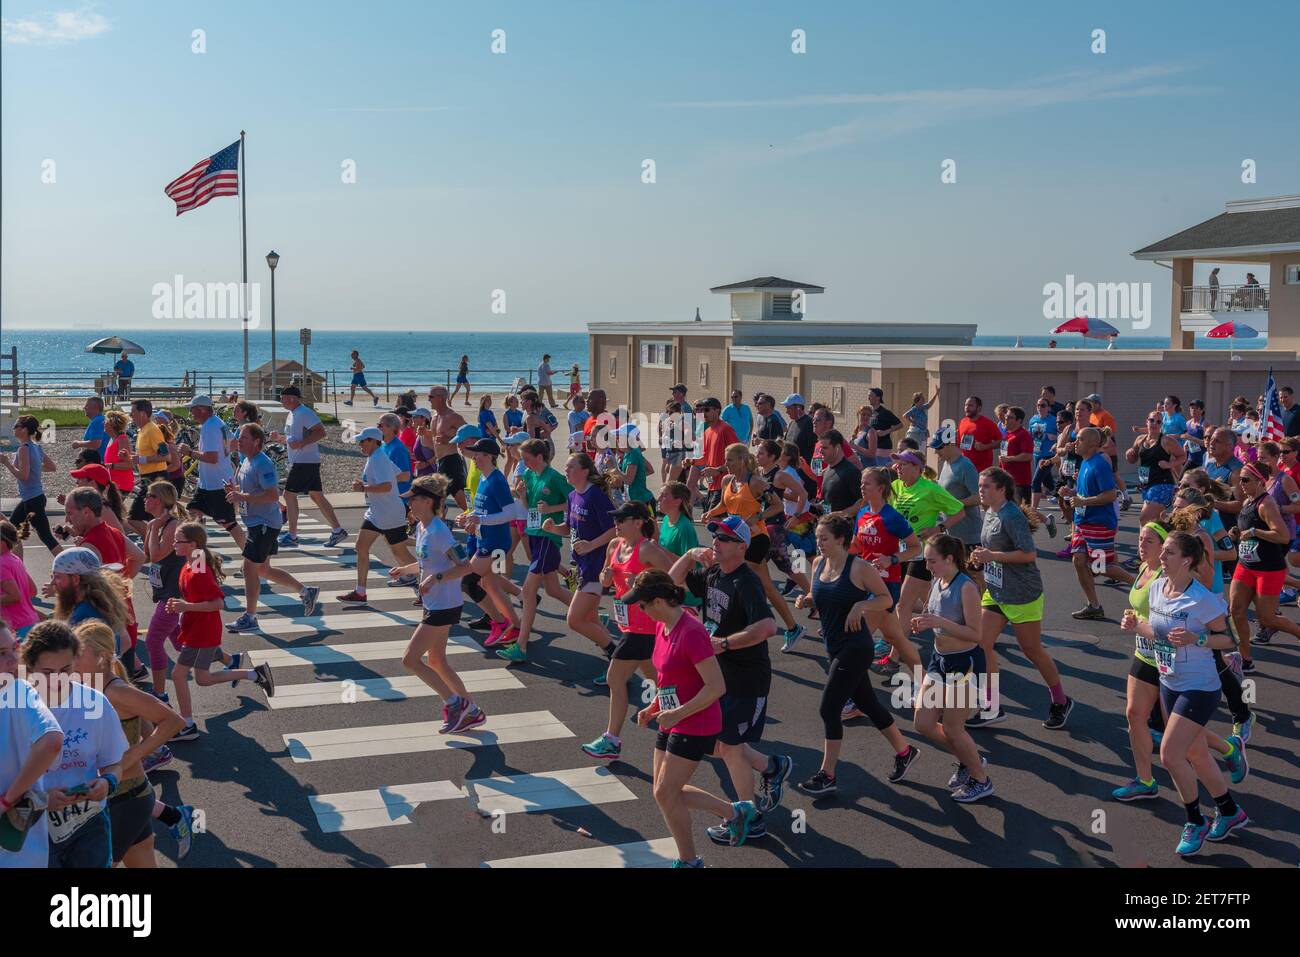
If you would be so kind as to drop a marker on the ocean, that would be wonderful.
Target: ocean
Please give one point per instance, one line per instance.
(56, 362)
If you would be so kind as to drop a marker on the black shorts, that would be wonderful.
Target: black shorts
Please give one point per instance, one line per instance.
(453, 466)
(303, 478)
(261, 543)
(916, 569)
(634, 647)
(213, 504)
(1024, 494)
(1144, 672)
(138, 512)
(692, 747)
(760, 547)
(1044, 481)
(441, 616)
(131, 818)
(393, 536)
(742, 719)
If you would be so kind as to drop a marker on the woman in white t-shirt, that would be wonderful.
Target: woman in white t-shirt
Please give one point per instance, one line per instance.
(79, 783)
(30, 741)
(439, 570)
(1186, 622)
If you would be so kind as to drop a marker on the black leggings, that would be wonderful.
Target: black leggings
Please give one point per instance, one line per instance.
(34, 510)
(850, 677)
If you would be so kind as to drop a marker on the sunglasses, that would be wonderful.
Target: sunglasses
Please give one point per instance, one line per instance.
(727, 538)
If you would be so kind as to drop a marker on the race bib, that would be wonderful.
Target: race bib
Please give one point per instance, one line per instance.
(710, 627)
(573, 538)
(534, 519)
(818, 466)
(1069, 468)
(1144, 474)
(620, 613)
(1248, 550)
(993, 574)
(968, 441)
(668, 698)
(155, 574)
(1038, 430)
(1165, 656)
(65, 823)
(1146, 648)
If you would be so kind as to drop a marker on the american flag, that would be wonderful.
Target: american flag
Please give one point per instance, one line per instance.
(1273, 429)
(218, 175)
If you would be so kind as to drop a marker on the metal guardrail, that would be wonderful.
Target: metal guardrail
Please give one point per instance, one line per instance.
(1243, 298)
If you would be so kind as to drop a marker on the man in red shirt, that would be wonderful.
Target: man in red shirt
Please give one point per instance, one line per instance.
(1017, 453)
(712, 463)
(85, 511)
(978, 435)
(598, 416)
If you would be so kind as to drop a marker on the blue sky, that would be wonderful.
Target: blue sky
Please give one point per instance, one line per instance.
(522, 171)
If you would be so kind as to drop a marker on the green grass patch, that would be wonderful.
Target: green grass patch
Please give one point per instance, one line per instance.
(74, 418)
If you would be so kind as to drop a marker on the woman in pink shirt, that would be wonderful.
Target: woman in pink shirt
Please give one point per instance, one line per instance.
(688, 686)
(16, 586)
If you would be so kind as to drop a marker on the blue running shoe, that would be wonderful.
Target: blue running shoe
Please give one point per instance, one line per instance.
(1193, 839)
(1135, 790)
(336, 536)
(183, 831)
(1223, 826)
(1242, 729)
(772, 786)
(236, 660)
(1238, 767)
(882, 648)
(310, 596)
(287, 541)
(973, 791)
(601, 681)
(693, 862)
(243, 623)
(738, 826)
(790, 637)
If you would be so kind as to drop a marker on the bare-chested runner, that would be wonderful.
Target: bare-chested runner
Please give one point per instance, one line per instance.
(446, 421)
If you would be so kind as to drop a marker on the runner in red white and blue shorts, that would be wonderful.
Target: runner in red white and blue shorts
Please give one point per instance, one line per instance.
(1093, 543)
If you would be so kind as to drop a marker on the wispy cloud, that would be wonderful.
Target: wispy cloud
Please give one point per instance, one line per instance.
(902, 111)
(49, 29)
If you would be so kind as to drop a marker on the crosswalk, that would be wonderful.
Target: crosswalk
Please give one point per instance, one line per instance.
(350, 657)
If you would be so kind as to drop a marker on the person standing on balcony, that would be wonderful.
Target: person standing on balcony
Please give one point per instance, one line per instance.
(1214, 288)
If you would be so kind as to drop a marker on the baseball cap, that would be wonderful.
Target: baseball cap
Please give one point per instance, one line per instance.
(627, 430)
(794, 398)
(1093, 398)
(678, 388)
(291, 390)
(938, 442)
(649, 585)
(518, 438)
(96, 473)
(467, 433)
(631, 510)
(733, 526)
(370, 433)
(76, 561)
(422, 414)
(201, 400)
(486, 447)
(908, 456)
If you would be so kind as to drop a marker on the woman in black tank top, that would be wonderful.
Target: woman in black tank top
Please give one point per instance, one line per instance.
(1158, 458)
(1262, 541)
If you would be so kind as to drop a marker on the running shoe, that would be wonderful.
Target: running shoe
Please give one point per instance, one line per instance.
(1065, 552)
(262, 675)
(347, 401)
(738, 826)
(1058, 714)
(287, 541)
(772, 786)
(236, 660)
(353, 597)
(470, 717)
(161, 696)
(719, 834)
(243, 623)
(851, 711)
(1135, 790)
(336, 536)
(1156, 738)
(1263, 636)
(494, 634)
(141, 677)
(1051, 526)
(310, 596)
(1223, 826)
(978, 720)
(1247, 666)
(377, 402)
(160, 758)
(480, 624)
(961, 777)
(790, 636)
(512, 653)
(1130, 564)
(973, 791)
(406, 581)
(1193, 839)
(1089, 613)
(183, 830)
(902, 762)
(788, 588)
(604, 747)
(1233, 660)
(601, 680)
(1238, 767)
(1125, 500)
(693, 862)
(819, 784)
(447, 718)
(885, 665)
(188, 733)
(881, 648)
(1288, 596)
(1242, 729)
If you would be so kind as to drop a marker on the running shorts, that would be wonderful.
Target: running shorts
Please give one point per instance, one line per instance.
(634, 646)
(1016, 614)
(543, 555)
(742, 719)
(261, 543)
(303, 477)
(1264, 583)
(441, 616)
(1090, 539)
(692, 747)
(1197, 706)
(213, 504)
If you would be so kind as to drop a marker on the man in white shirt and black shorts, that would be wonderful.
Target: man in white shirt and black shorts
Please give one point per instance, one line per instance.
(215, 470)
(302, 435)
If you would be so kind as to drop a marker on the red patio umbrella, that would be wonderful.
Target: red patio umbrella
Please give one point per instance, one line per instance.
(1088, 328)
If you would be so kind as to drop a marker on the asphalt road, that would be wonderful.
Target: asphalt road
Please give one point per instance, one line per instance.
(256, 769)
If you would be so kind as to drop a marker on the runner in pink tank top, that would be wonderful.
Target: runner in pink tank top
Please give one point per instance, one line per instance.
(627, 556)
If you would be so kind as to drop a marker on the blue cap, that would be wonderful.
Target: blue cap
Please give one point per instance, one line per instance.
(732, 524)
(467, 433)
(937, 442)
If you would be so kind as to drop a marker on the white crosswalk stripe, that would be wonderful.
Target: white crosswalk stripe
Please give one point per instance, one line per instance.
(343, 621)
(295, 559)
(310, 746)
(344, 654)
(657, 853)
(500, 794)
(319, 693)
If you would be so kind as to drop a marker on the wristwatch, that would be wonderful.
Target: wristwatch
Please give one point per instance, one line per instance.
(1203, 640)
(726, 644)
(893, 560)
(438, 577)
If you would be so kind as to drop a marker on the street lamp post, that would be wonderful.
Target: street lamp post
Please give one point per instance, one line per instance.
(273, 260)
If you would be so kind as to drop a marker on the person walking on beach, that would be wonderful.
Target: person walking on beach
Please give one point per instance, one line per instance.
(544, 373)
(462, 379)
(359, 380)
(125, 370)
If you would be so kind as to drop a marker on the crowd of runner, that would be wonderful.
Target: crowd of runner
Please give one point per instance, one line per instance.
(907, 572)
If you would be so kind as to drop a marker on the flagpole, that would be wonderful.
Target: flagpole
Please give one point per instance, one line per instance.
(243, 223)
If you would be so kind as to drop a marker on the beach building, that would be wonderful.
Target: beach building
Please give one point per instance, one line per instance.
(766, 345)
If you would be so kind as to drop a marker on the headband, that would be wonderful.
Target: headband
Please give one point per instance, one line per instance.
(421, 490)
(1158, 529)
(1249, 467)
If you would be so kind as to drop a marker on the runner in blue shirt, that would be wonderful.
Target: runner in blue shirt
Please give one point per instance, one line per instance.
(488, 525)
(390, 424)
(1042, 427)
(1093, 542)
(738, 415)
(95, 438)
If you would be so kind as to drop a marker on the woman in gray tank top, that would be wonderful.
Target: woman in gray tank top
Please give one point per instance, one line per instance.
(28, 464)
(951, 688)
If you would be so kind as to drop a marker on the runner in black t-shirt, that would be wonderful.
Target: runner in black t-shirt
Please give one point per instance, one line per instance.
(800, 429)
(885, 423)
(737, 617)
(841, 480)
